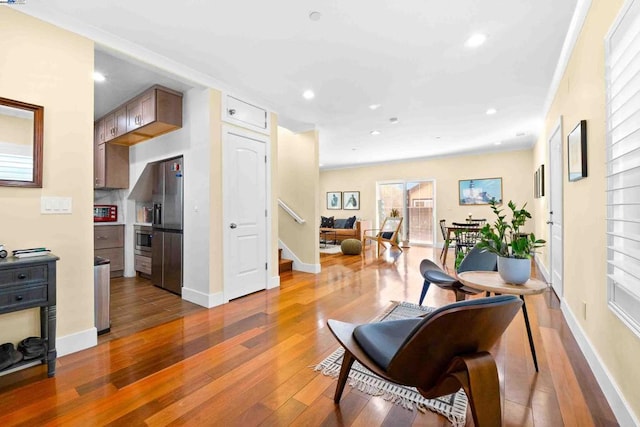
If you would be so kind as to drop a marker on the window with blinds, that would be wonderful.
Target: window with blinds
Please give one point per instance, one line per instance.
(623, 165)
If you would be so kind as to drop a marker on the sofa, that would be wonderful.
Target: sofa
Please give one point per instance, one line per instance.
(348, 228)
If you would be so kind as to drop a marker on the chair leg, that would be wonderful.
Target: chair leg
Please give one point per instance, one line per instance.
(425, 288)
(479, 379)
(347, 362)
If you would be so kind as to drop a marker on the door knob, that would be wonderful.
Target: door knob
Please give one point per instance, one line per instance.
(233, 225)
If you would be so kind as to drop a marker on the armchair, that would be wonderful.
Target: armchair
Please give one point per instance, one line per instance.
(476, 259)
(437, 354)
(387, 233)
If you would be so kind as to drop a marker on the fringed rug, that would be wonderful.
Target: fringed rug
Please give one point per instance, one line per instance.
(453, 406)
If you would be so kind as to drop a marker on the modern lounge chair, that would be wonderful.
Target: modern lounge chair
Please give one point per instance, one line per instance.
(476, 259)
(387, 233)
(437, 354)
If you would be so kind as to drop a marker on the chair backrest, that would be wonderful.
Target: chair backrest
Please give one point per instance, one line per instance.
(443, 228)
(460, 328)
(477, 260)
(390, 227)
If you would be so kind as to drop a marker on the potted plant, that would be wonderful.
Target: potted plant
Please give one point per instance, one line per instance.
(513, 247)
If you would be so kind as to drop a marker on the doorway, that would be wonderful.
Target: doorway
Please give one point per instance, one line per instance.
(555, 221)
(244, 186)
(414, 201)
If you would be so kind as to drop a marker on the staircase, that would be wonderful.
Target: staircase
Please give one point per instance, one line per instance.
(284, 264)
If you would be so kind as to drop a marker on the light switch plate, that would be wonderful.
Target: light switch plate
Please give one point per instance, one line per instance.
(55, 205)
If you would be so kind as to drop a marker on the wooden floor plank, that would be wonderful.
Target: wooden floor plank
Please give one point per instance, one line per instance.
(250, 362)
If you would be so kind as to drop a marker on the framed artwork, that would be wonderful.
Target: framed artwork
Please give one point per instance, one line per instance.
(334, 200)
(479, 191)
(539, 182)
(351, 200)
(577, 151)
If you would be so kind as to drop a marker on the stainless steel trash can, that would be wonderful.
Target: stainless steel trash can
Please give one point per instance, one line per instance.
(102, 291)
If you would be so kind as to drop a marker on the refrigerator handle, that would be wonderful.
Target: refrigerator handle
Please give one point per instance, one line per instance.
(157, 214)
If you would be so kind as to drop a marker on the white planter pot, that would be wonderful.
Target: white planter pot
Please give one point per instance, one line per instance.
(514, 270)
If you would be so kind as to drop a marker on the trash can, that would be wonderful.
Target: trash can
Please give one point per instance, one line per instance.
(102, 291)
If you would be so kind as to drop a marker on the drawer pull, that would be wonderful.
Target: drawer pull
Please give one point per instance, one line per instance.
(101, 238)
(18, 297)
(22, 276)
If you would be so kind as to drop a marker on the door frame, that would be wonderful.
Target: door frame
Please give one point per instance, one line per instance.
(405, 223)
(556, 186)
(234, 130)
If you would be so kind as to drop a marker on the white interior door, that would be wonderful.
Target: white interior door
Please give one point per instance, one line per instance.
(555, 209)
(244, 187)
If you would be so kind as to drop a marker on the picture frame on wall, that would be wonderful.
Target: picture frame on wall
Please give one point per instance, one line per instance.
(577, 152)
(334, 200)
(479, 191)
(538, 184)
(351, 200)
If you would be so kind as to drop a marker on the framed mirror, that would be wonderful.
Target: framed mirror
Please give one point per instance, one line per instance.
(21, 126)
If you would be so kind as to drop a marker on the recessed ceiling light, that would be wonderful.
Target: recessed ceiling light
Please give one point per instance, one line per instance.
(497, 143)
(375, 132)
(308, 94)
(394, 120)
(315, 16)
(98, 76)
(374, 106)
(476, 40)
(491, 111)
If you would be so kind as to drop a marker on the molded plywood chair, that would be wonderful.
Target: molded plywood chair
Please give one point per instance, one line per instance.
(476, 260)
(438, 353)
(387, 233)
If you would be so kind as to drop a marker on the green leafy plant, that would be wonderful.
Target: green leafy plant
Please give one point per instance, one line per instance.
(504, 238)
(394, 213)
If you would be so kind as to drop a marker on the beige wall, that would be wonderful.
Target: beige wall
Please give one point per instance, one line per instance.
(515, 168)
(52, 67)
(298, 188)
(581, 96)
(216, 271)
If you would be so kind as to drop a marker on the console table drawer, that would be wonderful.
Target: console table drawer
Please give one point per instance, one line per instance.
(23, 296)
(23, 275)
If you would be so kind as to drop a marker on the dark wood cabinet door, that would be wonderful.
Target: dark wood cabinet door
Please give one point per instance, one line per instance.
(120, 121)
(98, 165)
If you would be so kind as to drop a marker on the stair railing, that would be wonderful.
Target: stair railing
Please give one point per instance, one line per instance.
(290, 211)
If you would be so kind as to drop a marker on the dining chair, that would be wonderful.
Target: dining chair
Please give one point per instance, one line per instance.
(445, 236)
(437, 354)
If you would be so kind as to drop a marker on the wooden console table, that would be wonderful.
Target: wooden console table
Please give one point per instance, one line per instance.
(28, 283)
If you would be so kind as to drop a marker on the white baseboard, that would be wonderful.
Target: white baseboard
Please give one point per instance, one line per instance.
(617, 402)
(202, 299)
(274, 282)
(297, 264)
(78, 341)
(543, 269)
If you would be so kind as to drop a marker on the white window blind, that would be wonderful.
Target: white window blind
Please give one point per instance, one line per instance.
(623, 165)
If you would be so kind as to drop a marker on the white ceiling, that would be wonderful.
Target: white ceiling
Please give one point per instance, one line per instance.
(409, 56)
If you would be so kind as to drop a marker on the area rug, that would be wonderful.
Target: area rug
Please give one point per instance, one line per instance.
(453, 406)
(330, 249)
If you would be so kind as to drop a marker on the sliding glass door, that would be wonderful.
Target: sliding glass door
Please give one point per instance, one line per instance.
(414, 201)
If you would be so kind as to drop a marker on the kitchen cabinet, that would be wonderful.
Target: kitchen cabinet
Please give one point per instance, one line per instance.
(110, 166)
(143, 265)
(108, 242)
(27, 283)
(154, 112)
(245, 114)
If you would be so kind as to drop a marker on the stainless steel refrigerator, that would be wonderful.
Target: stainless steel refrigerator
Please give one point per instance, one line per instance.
(166, 243)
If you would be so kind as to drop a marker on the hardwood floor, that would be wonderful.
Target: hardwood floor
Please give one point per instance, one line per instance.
(249, 362)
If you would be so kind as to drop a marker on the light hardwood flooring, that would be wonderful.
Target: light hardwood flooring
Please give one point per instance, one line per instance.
(249, 362)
